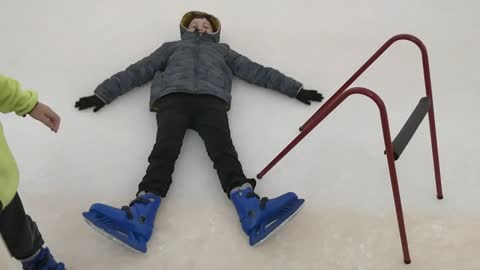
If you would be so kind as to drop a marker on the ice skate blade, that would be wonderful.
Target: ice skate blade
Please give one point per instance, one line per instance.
(111, 237)
(282, 224)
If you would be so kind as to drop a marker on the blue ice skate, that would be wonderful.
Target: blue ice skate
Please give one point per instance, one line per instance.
(261, 218)
(130, 226)
(43, 261)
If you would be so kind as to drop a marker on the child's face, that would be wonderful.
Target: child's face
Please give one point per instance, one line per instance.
(201, 24)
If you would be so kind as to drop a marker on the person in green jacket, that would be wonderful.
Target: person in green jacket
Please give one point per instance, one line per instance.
(18, 230)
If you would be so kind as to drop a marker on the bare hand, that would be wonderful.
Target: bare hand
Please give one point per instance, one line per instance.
(47, 116)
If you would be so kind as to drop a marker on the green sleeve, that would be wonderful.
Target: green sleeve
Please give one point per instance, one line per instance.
(14, 99)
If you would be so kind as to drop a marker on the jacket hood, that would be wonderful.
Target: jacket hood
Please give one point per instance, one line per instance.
(189, 16)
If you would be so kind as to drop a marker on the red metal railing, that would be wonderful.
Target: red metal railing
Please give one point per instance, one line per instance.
(342, 94)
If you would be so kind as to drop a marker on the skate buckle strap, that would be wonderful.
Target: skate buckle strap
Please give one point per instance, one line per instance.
(137, 200)
(43, 262)
(39, 265)
(263, 201)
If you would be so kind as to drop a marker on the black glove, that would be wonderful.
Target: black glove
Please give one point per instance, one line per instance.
(306, 96)
(91, 101)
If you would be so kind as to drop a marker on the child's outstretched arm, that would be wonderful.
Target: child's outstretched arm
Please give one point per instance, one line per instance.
(268, 77)
(133, 76)
(14, 99)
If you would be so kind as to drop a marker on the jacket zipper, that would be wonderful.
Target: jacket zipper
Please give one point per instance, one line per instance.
(197, 49)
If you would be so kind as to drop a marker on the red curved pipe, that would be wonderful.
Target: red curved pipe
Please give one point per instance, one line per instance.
(388, 146)
(428, 92)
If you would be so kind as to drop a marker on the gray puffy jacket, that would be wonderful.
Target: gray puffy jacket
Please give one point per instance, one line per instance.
(196, 64)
